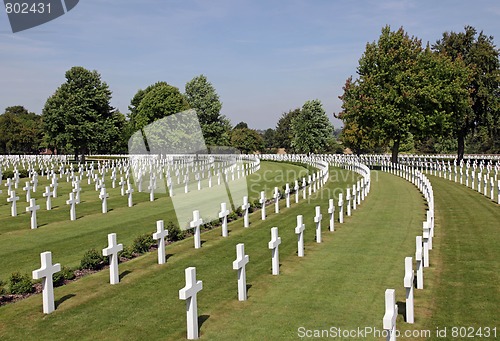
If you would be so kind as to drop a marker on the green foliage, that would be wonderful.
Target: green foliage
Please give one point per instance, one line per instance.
(232, 216)
(142, 243)
(20, 131)
(127, 252)
(241, 125)
(2, 287)
(63, 275)
(283, 135)
(174, 232)
(247, 140)
(78, 117)
(203, 98)
(93, 260)
(311, 129)
(157, 101)
(269, 138)
(20, 284)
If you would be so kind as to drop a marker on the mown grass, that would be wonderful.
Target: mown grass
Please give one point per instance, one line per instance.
(340, 282)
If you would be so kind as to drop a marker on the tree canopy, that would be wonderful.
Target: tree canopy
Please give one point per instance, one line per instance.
(247, 140)
(78, 117)
(20, 131)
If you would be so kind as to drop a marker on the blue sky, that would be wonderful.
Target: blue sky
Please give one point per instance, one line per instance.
(263, 57)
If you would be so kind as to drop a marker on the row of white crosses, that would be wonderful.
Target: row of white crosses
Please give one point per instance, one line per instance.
(423, 245)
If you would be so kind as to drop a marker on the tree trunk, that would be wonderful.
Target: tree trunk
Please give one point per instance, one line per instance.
(395, 151)
(461, 146)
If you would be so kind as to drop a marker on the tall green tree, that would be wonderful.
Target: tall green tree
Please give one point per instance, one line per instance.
(269, 138)
(203, 98)
(20, 131)
(283, 136)
(157, 101)
(481, 56)
(312, 131)
(75, 116)
(247, 140)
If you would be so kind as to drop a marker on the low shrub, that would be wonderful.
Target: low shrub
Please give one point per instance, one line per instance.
(64, 274)
(142, 243)
(256, 204)
(174, 232)
(127, 252)
(2, 287)
(232, 216)
(239, 211)
(93, 260)
(20, 284)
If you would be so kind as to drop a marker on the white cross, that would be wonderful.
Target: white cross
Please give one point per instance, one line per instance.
(296, 188)
(317, 220)
(122, 186)
(224, 212)
(274, 245)
(304, 184)
(28, 188)
(112, 252)
(151, 188)
(160, 236)
(9, 184)
(48, 195)
(189, 293)
(54, 185)
(77, 190)
(245, 208)
(331, 212)
(348, 198)
(426, 236)
(33, 207)
(354, 196)
(104, 198)
(46, 271)
(72, 202)
(299, 231)
(239, 264)
(391, 313)
(358, 192)
(13, 199)
(408, 284)
(341, 208)
(263, 203)
(287, 195)
(129, 192)
(195, 223)
(276, 200)
(418, 259)
(309, 181)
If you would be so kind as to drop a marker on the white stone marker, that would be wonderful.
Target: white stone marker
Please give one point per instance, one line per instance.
(426, 236)
(104, 198)
(112, 252)
(33, 207)
(77, 191)
(9, 184)
(189, 293)
(239, 264)
(54, 185)
(129, 192)
(160, 236)
(13, 200)
(331, 212)
(195, 223)
(348, 198)
(419, 264)
(262, 201)
(151, 189)
(492, 188)
(72, 202)
(122, 186)
(274, 245)
(28, 188)
(296, 188)
(354, 196)
(46, 271)
(287, 195)
(341, 208)
(276, 200)
(245, 208)
(391, 313)
(299, 231)
(408, 284)
(224, 212)
(304, 184)
(48, 195)
(317, 219)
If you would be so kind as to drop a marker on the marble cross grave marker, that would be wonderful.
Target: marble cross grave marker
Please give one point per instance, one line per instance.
(331, 212)
(13, 200)
(72, 202)
(245, 208)
(299, 231)
(48, 195)
(391, 313)
(274, 246)
(224, 212)
(195, 223)
(408, 284)
(32, 208)
(112, 252)
(317, 219)
(189, 293)
(45, 273)
(240, 264)
(160, 236)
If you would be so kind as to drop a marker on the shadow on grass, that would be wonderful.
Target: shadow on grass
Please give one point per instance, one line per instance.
(168, 255)
(124, 273)
(248, 289)
(62, 299)
(202, 319)
(401, 309)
